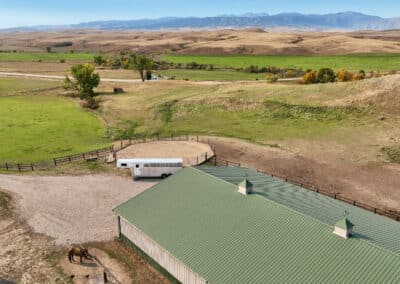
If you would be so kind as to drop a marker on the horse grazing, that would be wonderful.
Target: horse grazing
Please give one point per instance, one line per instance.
(78, 251)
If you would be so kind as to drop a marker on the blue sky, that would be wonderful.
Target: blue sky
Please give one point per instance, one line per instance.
(35, 12)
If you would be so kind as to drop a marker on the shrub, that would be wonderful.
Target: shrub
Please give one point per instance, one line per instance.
(272, 79)
(310, 77)
(326, 75)
(62, 60)
(343, 76)
(99, 60)
(360, 75)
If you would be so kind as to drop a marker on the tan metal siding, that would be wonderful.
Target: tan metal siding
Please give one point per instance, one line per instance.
(175, 267)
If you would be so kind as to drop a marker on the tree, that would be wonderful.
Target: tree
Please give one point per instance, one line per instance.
(326, 75)
(141, 63)
(48, 49)
(83, 82)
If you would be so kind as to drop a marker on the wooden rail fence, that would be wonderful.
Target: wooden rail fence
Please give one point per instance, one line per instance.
(105, 152)
(387, 213)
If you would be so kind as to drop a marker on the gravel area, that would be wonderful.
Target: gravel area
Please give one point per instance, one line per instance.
(72, 209)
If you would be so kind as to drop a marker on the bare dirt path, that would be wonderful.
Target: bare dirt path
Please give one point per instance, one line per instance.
(376, 184)
(71, 209)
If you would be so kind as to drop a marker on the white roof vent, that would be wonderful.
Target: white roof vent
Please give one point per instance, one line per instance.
(344, 228)
(245, 187)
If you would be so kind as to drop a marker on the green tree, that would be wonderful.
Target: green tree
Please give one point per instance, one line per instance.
(48, 49)
(83, 82)
(141, 63)
(326, 75)
(99, 60)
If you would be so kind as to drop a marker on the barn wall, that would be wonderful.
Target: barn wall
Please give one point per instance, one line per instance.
(176, 268)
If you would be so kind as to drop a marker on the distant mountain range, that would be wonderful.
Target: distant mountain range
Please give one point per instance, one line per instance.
(342, 21)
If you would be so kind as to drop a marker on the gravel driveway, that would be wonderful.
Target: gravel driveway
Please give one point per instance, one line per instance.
(72, 209)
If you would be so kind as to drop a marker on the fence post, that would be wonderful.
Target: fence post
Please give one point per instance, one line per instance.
(206, 157)
(197, 137)
(122, 144)
(197, 160)
(32, 167)
(158, 137)
(215, 161)
(19, 167)
(97, 153)
(6, 166)
(55, 162)
(130, 141)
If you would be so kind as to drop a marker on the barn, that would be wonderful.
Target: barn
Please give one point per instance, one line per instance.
(235, 225)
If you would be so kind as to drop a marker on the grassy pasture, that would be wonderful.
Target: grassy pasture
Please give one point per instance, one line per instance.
(35, 128)
(256, 112)
(9, 86)
(46, 57)
(350, 62)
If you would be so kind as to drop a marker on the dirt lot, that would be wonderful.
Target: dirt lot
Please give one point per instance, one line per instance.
(376, 184)
(72, 209)
(252, 41)
(29, 257)
(192, 153)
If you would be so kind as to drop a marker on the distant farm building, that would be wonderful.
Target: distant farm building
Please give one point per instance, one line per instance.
(235, 225)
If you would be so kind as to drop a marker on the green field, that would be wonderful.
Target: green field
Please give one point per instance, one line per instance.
(349, 62)
(9, 86)
(46, 57)
(216, 75)
(35, 128)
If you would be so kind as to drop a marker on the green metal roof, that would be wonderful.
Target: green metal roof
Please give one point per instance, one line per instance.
(344, 224)
(380, 230)
(226, 237)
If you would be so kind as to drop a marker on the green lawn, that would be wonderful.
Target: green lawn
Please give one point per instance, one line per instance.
(10, 86)
(216, 75)
(35, 128)
(349, 62)
(36, 56)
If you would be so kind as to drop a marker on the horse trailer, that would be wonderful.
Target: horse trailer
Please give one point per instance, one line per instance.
(151, 168)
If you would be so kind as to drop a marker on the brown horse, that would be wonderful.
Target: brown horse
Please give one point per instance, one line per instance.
(78, 251)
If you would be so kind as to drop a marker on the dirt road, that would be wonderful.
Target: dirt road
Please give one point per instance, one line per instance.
(71, 209)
